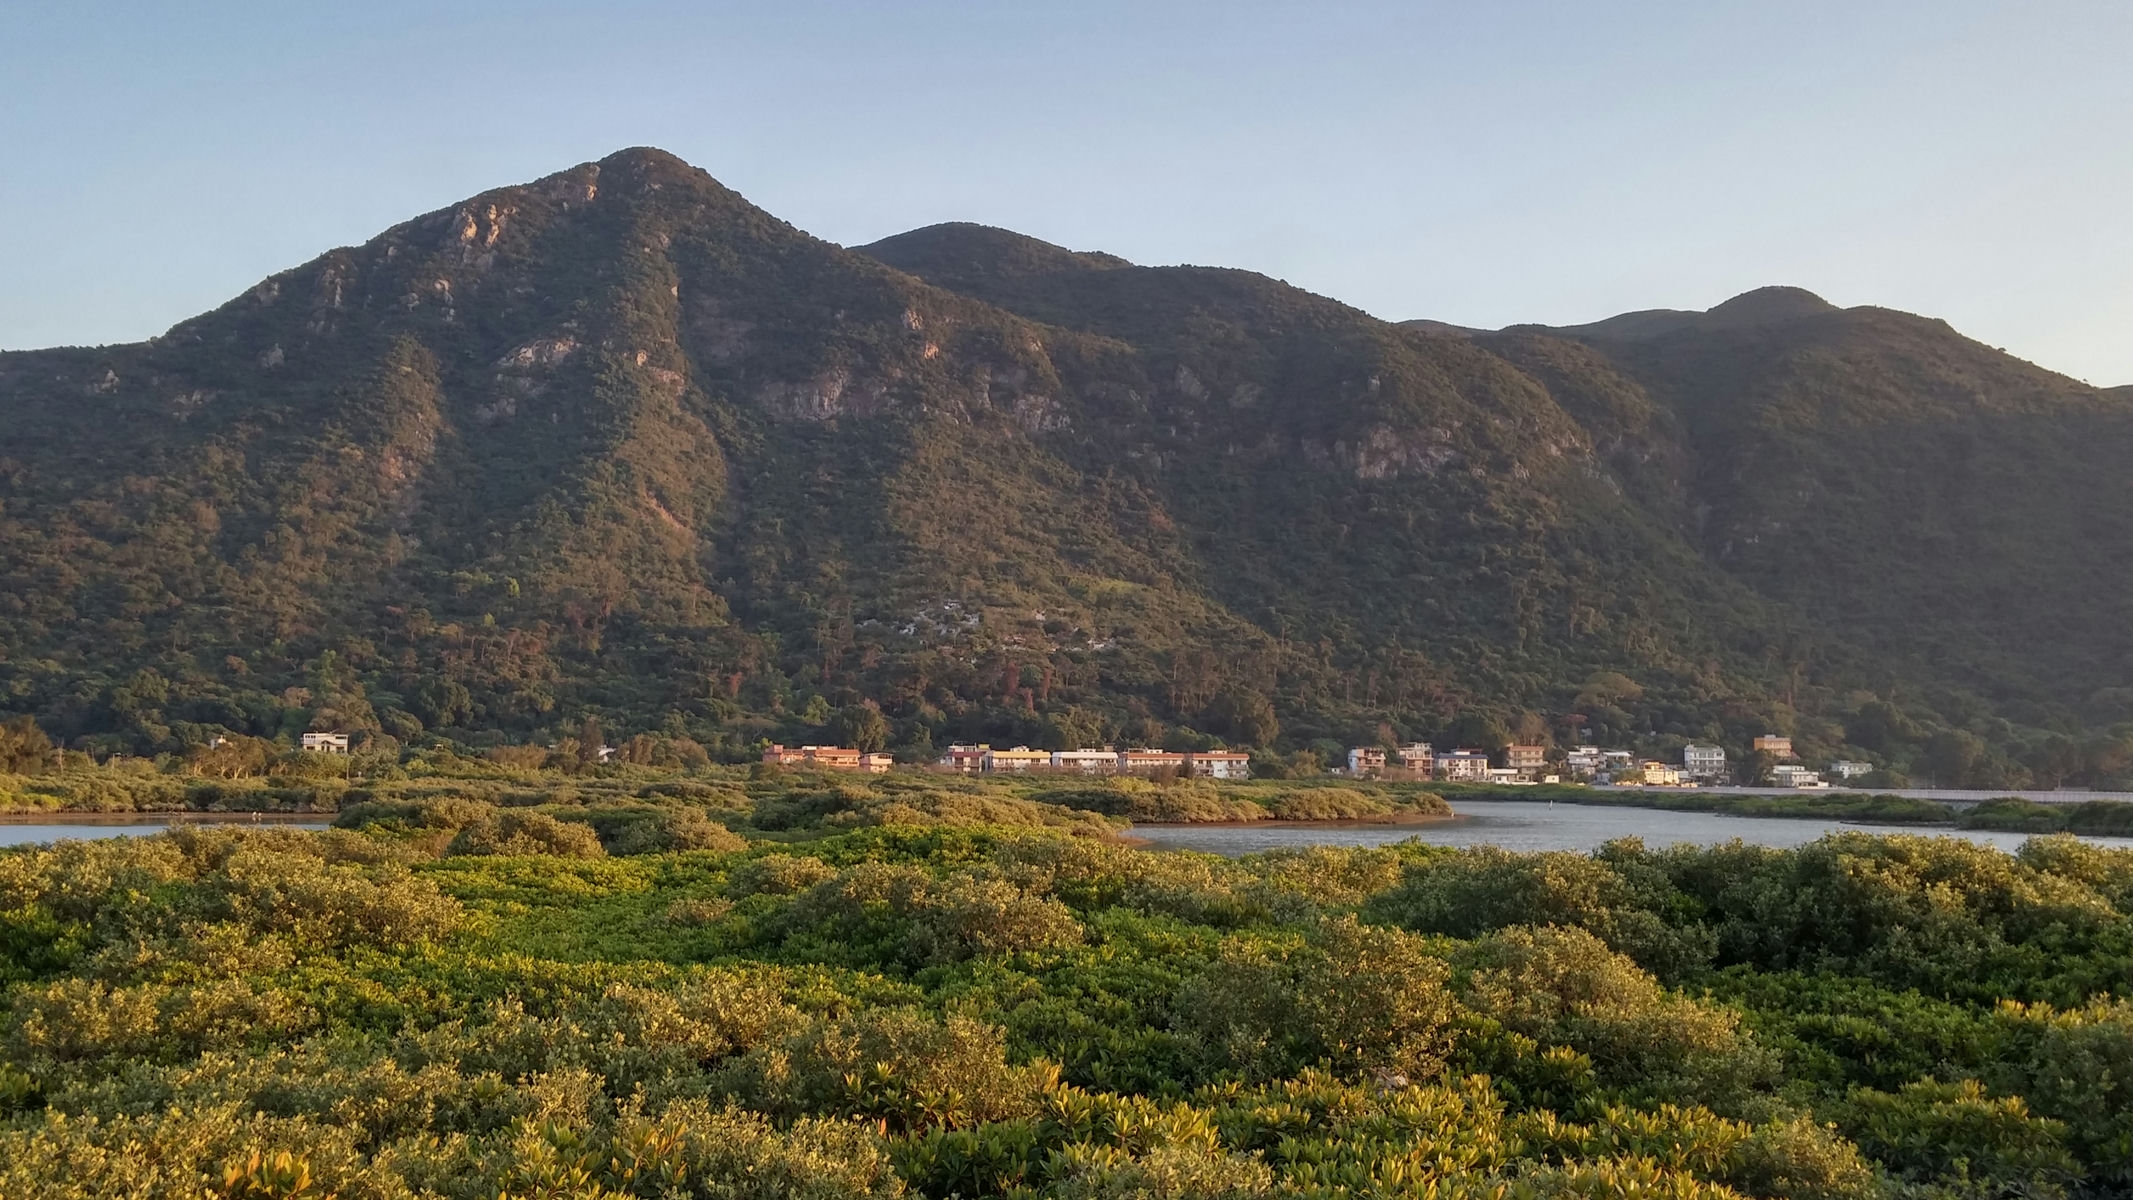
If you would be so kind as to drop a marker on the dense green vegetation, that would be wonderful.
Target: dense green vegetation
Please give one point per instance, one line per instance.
(618, 445)
(2099, 817)
(496, 981)
(559, 782)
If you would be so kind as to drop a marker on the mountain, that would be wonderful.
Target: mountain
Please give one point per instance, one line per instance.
(617, 443)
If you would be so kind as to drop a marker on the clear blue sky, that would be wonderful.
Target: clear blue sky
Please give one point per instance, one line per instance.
(1481, 163)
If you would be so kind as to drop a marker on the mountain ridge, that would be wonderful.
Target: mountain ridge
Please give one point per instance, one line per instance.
(618, 443)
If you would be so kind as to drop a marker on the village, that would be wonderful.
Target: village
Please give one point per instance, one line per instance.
(1021, 760)
(1519, 764)
(1532, 764)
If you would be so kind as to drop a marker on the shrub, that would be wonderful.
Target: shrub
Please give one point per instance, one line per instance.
(897, 1065)
(1561, 986)
(1357, 996)
(517, 832)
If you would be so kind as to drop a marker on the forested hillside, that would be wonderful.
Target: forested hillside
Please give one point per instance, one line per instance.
(617, 444)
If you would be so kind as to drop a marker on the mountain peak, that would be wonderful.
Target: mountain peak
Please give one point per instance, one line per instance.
(646, 158)
(1751, 309)
(1766, 304)
(961, 252)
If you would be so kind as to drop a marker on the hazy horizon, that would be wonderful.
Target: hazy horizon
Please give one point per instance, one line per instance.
(1529, 163)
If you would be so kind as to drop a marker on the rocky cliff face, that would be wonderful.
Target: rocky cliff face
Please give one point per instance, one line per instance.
(617, 441)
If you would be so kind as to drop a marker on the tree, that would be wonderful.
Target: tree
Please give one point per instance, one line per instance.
(1754, 767)
(1879, 726)
(859, 726)
(1952, 756)
(23, 747)
(443, 703)
(1481, 731)
(1244, 716)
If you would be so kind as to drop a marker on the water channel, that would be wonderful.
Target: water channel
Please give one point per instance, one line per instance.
(1538, 825)
(1511, 824)
(25, 831)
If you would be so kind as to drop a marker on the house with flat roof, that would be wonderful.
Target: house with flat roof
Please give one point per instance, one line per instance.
(1850, 768)
(1147, 762)
(832, 758)
(1775, 745)
(1415, 756)
(1017, 761)
(1793, 775)
(1653, 773)
(876, 762)
(1366, 760)
(1219, 764)
(1086, 762)
(1703, 762)
(964, 760)
(325, 743)
(1527, 761)
(1469, 765)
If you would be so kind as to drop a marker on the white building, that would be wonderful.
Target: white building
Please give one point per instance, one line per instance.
(1793, 775)
(326, 743)
(1470, 765)
(1703, 762)
(1582, 760)
(965, 760)
(1220, 764)
(1850, 768)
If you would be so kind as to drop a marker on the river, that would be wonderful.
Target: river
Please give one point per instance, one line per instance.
(1538, 825)
(19, 831)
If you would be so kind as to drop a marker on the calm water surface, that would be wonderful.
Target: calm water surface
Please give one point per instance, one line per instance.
(1538, 825)
(32, 832)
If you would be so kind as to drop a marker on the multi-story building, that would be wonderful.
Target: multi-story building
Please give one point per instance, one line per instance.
(1503, 775)
(1527, 761)
(1850, 768)
(1775, 745)
(1703, 762)
(1086, 762)
(876, 762)
(1366, 760)
(835, 758)
(1415, 756)
(965, 760)
(1148, 762)
(1583, 760)
(1653, 773)
(325, 743)
(1017, 761)
(1219, 764)
(1469, 765)
(1793, 775)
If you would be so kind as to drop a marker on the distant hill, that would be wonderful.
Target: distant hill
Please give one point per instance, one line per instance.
(617, 443)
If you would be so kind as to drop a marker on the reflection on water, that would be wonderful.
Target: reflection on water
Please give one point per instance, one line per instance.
(1538, 825)
(14, 833)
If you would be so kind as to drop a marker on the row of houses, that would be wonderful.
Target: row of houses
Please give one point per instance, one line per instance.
(1020, 760)
(1529, 764)
(1522, 764)
(833, 758)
